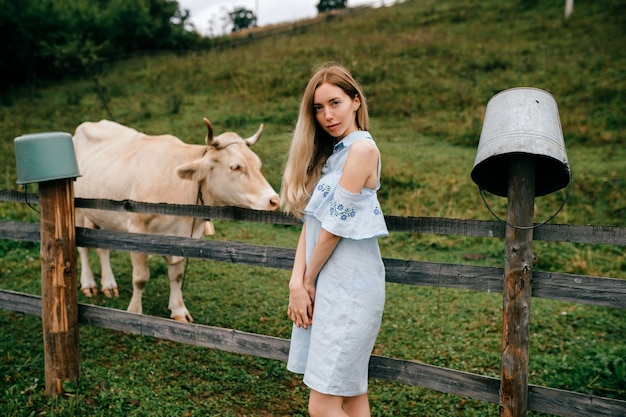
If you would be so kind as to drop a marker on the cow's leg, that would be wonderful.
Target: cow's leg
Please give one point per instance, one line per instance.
(87, 282)
(107, 279)
(175, 270)
(141, 275)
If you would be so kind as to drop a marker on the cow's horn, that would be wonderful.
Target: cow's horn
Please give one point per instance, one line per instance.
(210, 140)
(252, 139)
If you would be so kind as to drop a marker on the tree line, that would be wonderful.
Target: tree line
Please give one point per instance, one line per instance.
(47, 40)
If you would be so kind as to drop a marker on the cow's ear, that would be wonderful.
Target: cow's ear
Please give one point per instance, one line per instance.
(190, 171)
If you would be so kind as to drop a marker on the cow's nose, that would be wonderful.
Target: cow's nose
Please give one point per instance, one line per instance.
(274, 203)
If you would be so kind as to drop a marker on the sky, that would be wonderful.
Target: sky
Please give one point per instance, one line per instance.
(208, 16)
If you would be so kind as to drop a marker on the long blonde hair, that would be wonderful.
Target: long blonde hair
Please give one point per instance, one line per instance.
(311, 145)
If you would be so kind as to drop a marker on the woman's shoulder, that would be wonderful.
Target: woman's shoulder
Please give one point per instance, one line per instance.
(364, 145)
(361, 138)
(363, 149)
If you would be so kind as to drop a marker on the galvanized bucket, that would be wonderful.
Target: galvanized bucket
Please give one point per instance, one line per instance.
(522, 120)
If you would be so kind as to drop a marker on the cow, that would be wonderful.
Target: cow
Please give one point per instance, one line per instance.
(117, 162)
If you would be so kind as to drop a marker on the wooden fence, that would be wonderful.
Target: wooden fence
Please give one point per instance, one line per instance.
(600, 291)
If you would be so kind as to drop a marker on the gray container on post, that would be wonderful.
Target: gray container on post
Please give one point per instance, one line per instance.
(44, 157)
(521, 120)
(50, 160)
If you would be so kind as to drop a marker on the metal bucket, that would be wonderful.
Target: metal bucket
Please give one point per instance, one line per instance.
(518, 121)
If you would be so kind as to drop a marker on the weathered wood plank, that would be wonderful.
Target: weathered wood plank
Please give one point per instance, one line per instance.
(566, 287)
(607, 292)
(601, 235)
(432, 225)
(572, 404)
(204, 212)
(228, 340)
(28, 232)
(607, 235)
(445, 226)
(465, 384)
(434, 274)
(225, 251)
(584, 289)
(440, 379)
(20, 302)
(18, 197)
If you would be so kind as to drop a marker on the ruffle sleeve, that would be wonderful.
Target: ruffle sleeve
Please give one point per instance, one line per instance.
(346, 214)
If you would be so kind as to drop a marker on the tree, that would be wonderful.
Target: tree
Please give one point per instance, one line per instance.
(242, 18)
(328, 5)
(50, 39)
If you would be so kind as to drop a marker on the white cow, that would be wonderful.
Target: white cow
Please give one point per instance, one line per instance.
(118, 163)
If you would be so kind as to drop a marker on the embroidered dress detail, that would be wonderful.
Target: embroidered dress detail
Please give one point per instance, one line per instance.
(340, 211)
(324, 189)
(353, 215)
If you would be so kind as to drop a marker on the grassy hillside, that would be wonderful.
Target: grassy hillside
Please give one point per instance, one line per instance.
(428, 68)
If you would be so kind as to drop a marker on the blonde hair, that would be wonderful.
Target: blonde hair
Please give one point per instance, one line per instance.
(311, 145)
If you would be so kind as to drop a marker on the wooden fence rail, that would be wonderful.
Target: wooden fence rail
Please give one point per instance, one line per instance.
(541, 399)
(599, 291)
(607, 292)
(606, 235)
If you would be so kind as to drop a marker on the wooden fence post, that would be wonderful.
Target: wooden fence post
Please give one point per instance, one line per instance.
(517, 288)
(48, 158)
(521, 137)
(59, 302)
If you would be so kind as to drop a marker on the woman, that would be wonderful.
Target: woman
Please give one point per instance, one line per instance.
(337, 286)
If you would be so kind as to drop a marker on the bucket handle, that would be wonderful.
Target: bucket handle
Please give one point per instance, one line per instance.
(567, 194)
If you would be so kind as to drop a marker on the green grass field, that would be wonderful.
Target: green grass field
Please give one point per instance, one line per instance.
(428, 68)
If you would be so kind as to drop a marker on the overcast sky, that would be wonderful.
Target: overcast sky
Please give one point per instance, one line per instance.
(207, 13)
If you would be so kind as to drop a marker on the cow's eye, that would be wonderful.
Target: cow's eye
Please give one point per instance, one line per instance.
(235, 168)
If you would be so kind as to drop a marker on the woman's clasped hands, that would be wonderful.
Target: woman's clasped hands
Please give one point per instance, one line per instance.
(301, 301)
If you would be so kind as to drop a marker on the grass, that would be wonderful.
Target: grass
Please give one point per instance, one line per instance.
(428, 69)
(573, 347)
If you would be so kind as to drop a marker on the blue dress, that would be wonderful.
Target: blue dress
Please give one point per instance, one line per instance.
(333, 353)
